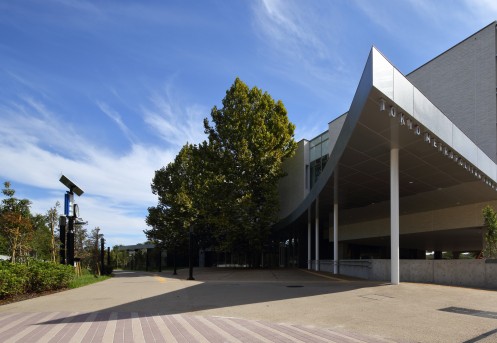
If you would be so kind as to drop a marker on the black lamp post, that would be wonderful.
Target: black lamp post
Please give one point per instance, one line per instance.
(71, 212)
(190, 252)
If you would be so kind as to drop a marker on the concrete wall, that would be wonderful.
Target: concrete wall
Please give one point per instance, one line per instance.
(293, 188)
(461, 82)
(468, 273)
(456, 217)
(334, 129)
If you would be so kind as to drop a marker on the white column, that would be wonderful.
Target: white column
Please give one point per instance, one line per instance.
(317, 234)
(335, 222)
(309, 255)
(394, 215)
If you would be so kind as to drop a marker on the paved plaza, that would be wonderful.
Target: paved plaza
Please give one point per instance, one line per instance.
(224, 305)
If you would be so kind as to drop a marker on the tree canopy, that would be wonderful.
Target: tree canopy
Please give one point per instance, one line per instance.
(15, 223)
(226, 187)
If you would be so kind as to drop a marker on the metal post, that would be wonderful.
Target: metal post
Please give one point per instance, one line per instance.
(70, 242)
(335, 222)
(160, 259)
(309, 255)
(102, 255)
(146, 259)
(62, 231)
(394, 216)
(190, 257)
(174, 262)
(317, 234)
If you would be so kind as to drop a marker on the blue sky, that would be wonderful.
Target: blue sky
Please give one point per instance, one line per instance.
(107, 92)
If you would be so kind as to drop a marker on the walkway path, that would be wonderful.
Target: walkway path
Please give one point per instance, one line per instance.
(252, 306)
(143, 327)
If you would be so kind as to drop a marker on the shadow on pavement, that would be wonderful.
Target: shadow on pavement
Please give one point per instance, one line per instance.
(227, 288)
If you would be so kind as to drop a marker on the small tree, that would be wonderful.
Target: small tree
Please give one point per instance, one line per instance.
(490, 234)
(41, 246)
(53, 218)
(92, 245)
(82, 246)
(15, 223)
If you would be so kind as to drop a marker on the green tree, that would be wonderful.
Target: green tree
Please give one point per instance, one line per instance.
(3, 245)
(53, 220)
(81, 242)
(41, 244)
(92, 247)
(119, 257)
(490, 234)
(15, 223)
(177, 187)
(226, 187)
(250, 137)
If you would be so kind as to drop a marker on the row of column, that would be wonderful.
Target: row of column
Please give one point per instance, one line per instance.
(394, 222)
(316, 232)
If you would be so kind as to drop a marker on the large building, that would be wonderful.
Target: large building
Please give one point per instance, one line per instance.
(405, 171)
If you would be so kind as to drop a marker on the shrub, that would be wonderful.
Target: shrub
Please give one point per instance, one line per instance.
(47, 276)
(13, 279)
(36, 276)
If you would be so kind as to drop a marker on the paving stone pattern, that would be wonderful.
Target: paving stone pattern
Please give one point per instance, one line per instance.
(142, 327)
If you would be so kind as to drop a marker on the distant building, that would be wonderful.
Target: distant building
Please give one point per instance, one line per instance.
(406, 170)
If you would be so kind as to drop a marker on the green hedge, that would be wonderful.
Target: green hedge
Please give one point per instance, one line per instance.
(34, 276)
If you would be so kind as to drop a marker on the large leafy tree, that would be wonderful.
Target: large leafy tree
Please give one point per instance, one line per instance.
(250, 136)
(177, 209)
(226, 187)
(15, 223)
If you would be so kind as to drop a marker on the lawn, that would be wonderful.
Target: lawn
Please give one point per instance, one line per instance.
(86, 279)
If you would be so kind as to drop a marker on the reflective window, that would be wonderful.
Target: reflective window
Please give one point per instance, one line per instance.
(318, 156)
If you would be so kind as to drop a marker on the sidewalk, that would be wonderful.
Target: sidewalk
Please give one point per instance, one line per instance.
(224, 305)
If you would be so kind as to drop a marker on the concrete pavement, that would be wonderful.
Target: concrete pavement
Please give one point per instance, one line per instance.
(224, 305)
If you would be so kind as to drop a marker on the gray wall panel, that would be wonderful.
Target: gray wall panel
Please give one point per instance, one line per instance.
(293, 188)
(462, 83)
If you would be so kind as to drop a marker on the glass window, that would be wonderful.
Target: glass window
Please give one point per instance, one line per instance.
(318, 152)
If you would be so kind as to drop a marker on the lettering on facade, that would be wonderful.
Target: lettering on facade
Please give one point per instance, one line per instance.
(411, 125)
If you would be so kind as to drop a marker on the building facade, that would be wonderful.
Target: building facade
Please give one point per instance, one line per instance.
(406, 171)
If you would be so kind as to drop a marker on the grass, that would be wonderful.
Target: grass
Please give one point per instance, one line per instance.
(86, 279)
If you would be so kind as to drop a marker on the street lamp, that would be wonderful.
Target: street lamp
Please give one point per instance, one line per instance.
(71, 211)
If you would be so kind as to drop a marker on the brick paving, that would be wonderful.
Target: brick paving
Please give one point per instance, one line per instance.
(225, 305)
(142, 327)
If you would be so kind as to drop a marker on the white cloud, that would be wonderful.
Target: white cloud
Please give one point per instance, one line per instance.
(116, 117)
(116, 185)
(119, 224)
(483, 10)
(174, 123)
(288, 26)
(304, 46)
(470, 13)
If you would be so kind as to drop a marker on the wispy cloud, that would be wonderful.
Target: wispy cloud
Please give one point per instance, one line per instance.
(299, 35)
(483, 7)
(37, 147)
(470, 13)
(116, 117)
(173, 122)
(288, 26)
